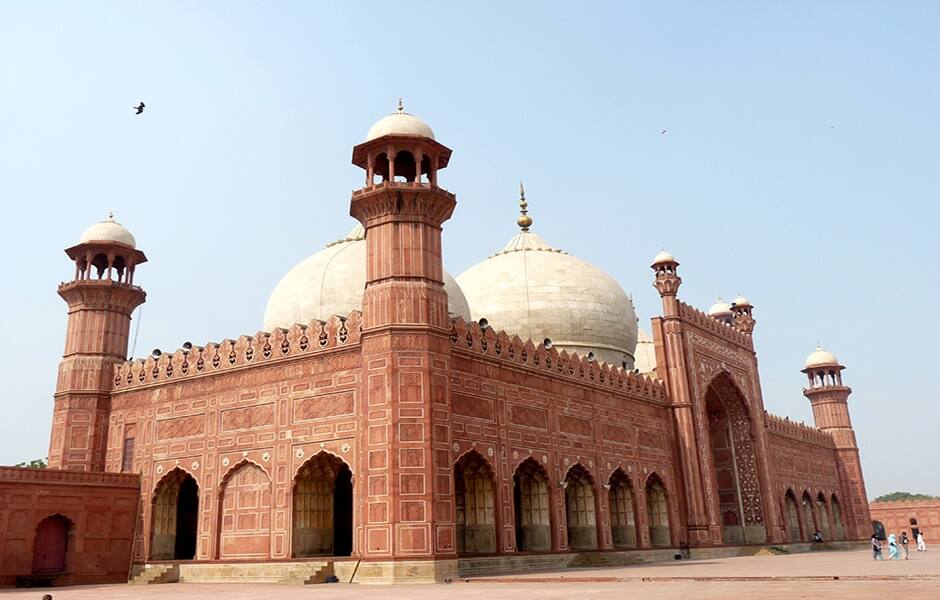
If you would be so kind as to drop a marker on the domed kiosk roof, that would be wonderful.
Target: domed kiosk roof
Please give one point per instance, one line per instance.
(536, 291)
(720, 309)
(400, 123)
(332, 282)
(821, 358)
(108, 230)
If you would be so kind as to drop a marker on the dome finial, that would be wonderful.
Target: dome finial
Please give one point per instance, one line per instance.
(111, 216)
(524, 221)
(401, 106)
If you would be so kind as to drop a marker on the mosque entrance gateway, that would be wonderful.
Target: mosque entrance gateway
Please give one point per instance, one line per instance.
(323, 508)
(740, 507)
(175, 516)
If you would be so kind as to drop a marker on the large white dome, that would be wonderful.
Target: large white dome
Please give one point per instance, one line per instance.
(331, 282)
(535, 291)
(400, 123)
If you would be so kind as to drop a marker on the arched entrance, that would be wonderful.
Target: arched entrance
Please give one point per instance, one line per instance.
(175, 516)
(809, 522)
(579, 509)
(657, 512)
(793, 517)
(532, 507)
(476, 505)
(622, 511)
(323, 508)
(734, 462)
(823, 510)
(245, 513)
(878, 530)
(51, 544)
(838, 527)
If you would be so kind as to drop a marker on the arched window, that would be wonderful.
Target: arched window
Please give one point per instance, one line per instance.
(476, 505)
(657, 511)
(622, 511)
(579, 508)
(532, 507)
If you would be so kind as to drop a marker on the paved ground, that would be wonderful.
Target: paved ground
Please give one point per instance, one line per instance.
(799, 576)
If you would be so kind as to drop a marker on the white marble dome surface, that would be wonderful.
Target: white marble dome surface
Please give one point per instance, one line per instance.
(108, 231)
(535, 291)
(332, 282)
(400, 123)
(821, 358)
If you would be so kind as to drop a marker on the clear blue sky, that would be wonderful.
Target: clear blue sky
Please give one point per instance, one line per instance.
(800, 168)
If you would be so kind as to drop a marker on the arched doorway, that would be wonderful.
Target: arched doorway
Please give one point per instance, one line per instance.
(823, 509)
(838, 527)
(175, 517)
(793, 517)
(579, 509)
(476, 505)
(622, 511)
(878, 530)
(323, 508)
(734, 462)
(809, 522)
(51, 544)
(532, 507)
(245, 513)
(657, 512)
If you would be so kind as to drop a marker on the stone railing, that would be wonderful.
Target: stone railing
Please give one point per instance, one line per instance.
(261, 348)
(794, 430)
(28, 475)
(513, 349)
(714, 326)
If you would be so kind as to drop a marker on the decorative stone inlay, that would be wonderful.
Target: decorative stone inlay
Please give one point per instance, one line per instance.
(299, 453)
(545, 459)
(566, 461)
(322, 445)
(490, 452)
(159, 469)
(245, 454)
(266, 456)
(345, 448)
(225, 461)
(515, 455)
(195, 465)
(456, 447)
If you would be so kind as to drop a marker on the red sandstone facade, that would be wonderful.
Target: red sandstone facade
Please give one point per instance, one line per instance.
(402, 437)
(895, 517)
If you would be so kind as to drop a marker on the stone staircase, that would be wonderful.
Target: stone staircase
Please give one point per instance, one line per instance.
(295, 573)
(159, 573)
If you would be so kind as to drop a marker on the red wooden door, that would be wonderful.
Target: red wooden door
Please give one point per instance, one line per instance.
(50, 544)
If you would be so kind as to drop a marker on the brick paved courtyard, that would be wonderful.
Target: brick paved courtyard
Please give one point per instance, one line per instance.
(843, 575)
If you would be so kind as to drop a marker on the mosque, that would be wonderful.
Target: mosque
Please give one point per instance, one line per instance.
(394, 423)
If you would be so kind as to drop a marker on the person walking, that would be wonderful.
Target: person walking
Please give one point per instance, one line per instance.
(893, 547)
(876, 548)
(921, 545)
(904, 542)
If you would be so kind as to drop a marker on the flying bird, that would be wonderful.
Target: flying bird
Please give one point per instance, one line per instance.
(139, 108)
(662, 132)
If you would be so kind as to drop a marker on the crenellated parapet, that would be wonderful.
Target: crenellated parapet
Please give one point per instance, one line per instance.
(794, 430)
(513, 349)
(728, 333)
(263, 347)
(27, 474)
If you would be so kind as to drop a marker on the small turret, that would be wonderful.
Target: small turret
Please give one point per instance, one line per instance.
(743, 314)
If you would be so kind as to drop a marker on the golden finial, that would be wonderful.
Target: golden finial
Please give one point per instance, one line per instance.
(401, 106)
(524, 221)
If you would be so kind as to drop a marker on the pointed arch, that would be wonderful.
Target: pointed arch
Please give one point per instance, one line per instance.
(792, 515)
(838, 526)
(54, 539)
(323, 452)
(532, 506)
(657, 511)
(621, 500)
(580, 508)
(822, 509)
(809, 519)
(244, 530)
(235, 465)
(322, 507)
(475, 498)
(174, 516)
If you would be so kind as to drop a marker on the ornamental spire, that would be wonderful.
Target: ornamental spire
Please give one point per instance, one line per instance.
(401, 106)
(524, 221)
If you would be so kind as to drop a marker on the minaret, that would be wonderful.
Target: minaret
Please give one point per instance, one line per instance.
(408, 506)
(830, 400)
(675, 372)
(101, 298)
(743, 314)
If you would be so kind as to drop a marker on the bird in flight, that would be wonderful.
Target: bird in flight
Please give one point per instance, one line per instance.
(139, 108)
(663, 132)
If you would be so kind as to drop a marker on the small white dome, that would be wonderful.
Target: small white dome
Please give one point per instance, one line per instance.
(720, 310)
(332, 282)
(741, 301)
(535, 291)
(663, 257)
(108, 231)
(821, 358)
(400, 123)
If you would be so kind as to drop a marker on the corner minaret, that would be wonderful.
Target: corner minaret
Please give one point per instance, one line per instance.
(101, 298)
(743, 312)
(405, 350)
(829, 398)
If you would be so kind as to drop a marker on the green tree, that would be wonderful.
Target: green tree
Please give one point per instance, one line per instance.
(893, 496)
(36, 463)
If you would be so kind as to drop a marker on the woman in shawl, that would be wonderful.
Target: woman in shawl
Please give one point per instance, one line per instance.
(893, 548)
